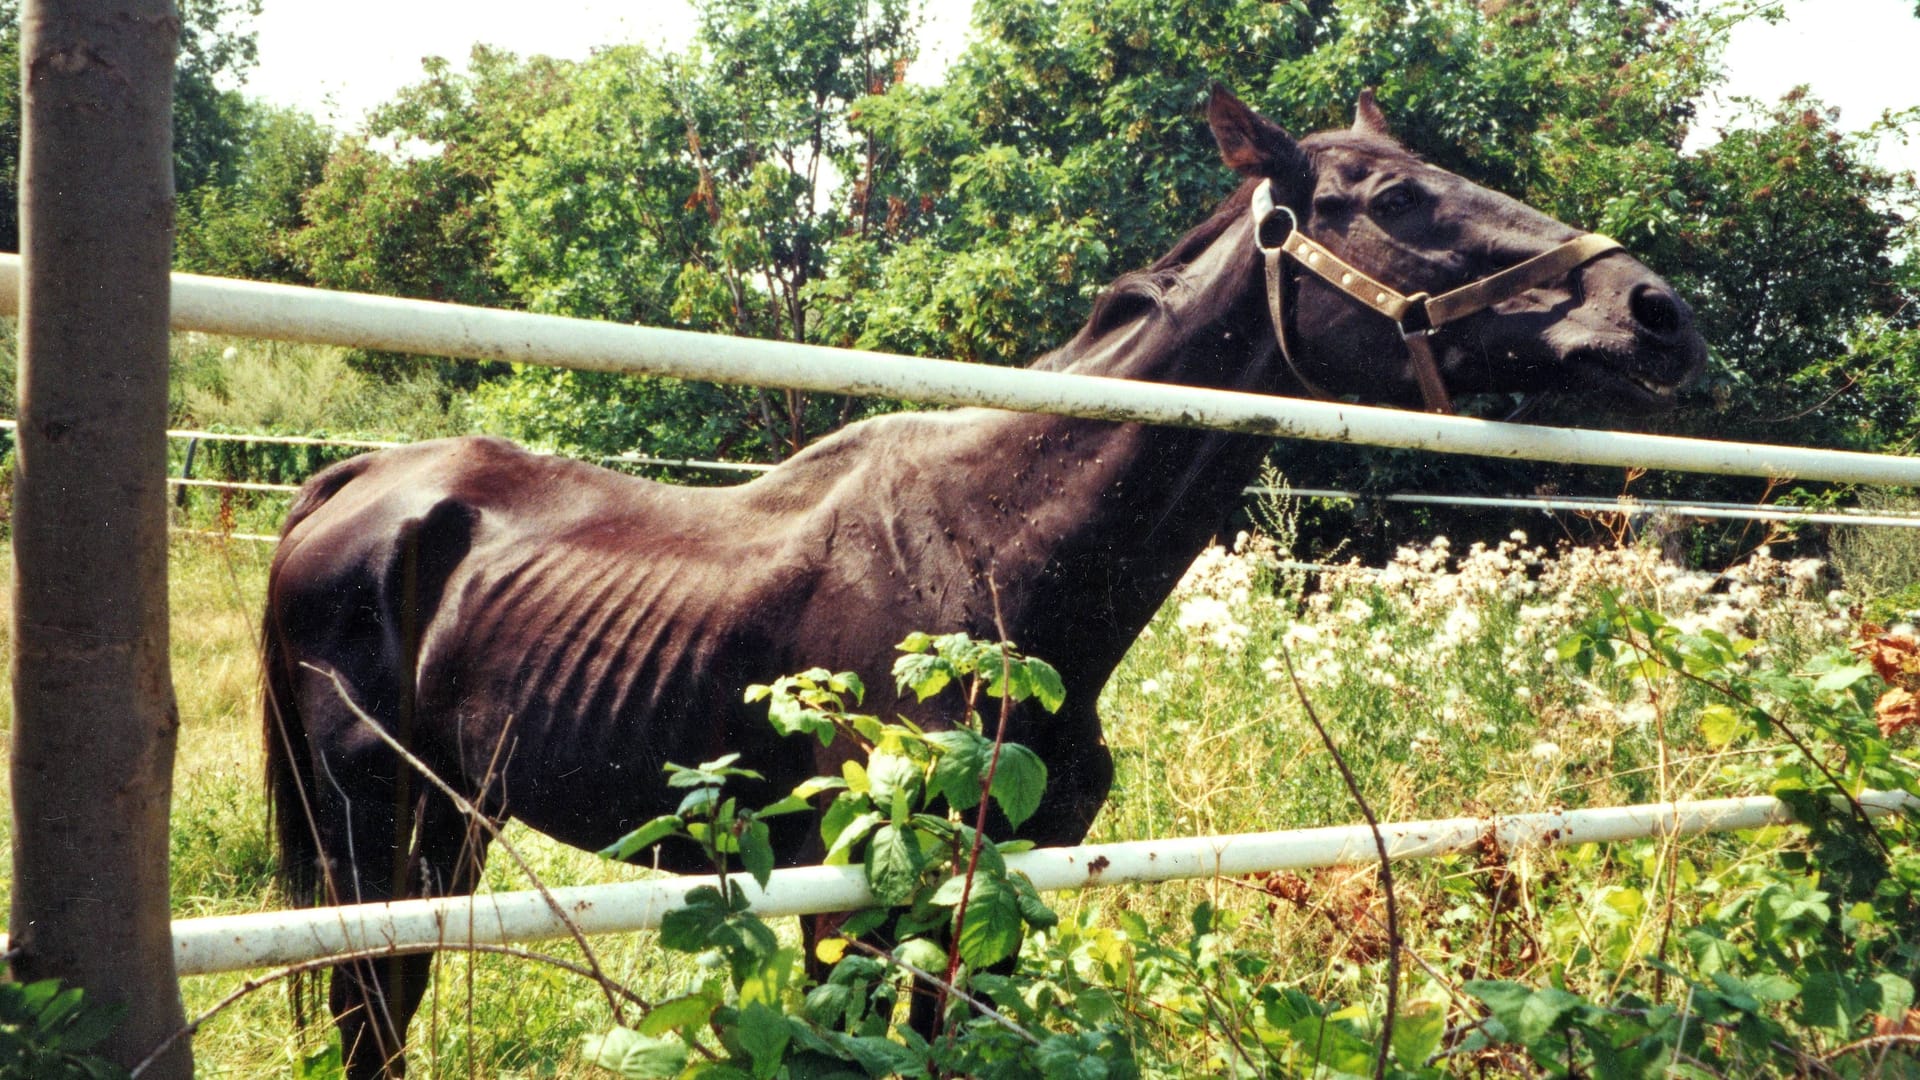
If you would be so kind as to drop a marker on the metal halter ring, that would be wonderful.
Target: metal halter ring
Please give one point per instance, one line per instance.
(1264, 209)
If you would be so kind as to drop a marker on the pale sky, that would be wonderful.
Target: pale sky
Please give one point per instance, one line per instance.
(338, 59)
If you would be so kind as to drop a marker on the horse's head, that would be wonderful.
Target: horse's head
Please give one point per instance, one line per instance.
(1377, 256)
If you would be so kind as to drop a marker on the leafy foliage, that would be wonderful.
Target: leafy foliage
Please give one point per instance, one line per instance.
(46, 1031)
(1806, 964)
(696, 191)
(247, 228)
(954, 907)
(1816, 960)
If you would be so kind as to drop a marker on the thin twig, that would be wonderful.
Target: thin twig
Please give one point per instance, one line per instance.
(1394, 940)
(1871, 1042)
(986, 791)
(251, 985)
(1859, 811)
(946, 989)
(607, 985)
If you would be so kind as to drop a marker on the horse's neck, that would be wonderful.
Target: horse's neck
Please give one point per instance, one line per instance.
(1109, 516)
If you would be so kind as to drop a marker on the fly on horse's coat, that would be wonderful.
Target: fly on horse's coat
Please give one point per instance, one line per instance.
(568, 630)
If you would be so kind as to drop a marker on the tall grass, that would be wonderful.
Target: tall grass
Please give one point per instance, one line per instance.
(1882, 564)
(1438, 676)
(305, 389)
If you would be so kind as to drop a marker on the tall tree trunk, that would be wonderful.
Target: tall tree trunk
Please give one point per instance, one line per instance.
(94, 716)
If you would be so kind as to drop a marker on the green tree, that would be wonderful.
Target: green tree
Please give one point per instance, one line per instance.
(709, 191)
(1788, 242)
(217, 49)
(1062, 148)
(247, 228)
(406, 207)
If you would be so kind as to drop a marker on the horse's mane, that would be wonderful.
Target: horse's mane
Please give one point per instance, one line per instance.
(1143, 293)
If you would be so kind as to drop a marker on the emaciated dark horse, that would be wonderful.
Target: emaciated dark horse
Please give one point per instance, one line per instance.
(567, 631)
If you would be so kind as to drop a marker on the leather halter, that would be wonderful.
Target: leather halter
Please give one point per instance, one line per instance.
(1417, 316)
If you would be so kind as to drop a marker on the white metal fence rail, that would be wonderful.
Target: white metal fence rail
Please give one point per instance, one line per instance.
(284, 312)
(273, 938)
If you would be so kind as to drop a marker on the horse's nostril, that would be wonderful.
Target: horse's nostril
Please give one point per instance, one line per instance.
(1656, 310)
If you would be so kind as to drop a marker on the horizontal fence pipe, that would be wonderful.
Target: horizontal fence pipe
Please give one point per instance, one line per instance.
(691, 463)
(292, 313)
(1629, 507)
(226, 436)
(237, 485)
(215, 534)
(270, 939)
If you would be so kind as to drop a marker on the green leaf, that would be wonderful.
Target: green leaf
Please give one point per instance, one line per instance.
(756, 851)
(990, 931)
(322, 1064)
(644, 837)
(689, 1012)
(1842, 677)
(1720, 725)
(636, 1056)
(925, 675)
(852, 833)
(889, 773)
(846, 682)
(1048, 689)
(1828, 1001)
(1019, 780)
(1503, 999)
(1072, 1056)
(960, 766)
(1545, 1010)
(923, 954)
(1033, 909)
(690, 928)
(763, 1034)
(698, 800)
(792, 804)
(1896, 996)
(1417, 1033)
(865, 921)
(893, 865)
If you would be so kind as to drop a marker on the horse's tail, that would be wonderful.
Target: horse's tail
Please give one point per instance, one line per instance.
(289, 771)
(289, 765)
(289, 774)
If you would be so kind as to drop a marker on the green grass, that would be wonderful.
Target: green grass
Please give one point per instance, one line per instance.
(1436, 679)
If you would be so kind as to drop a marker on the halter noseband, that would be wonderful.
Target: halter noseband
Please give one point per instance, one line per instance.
(1416, 316)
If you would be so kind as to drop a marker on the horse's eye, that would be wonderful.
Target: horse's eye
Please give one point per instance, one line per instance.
(1395, 201)
(1332, 206)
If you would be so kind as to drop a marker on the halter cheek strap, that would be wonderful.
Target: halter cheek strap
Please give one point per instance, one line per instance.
(1277, 233)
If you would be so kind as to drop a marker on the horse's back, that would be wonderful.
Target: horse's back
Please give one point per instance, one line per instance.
(535, 616)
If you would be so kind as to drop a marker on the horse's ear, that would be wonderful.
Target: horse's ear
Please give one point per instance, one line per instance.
(1251, 144)
(1256, 147)
(1367, 117)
